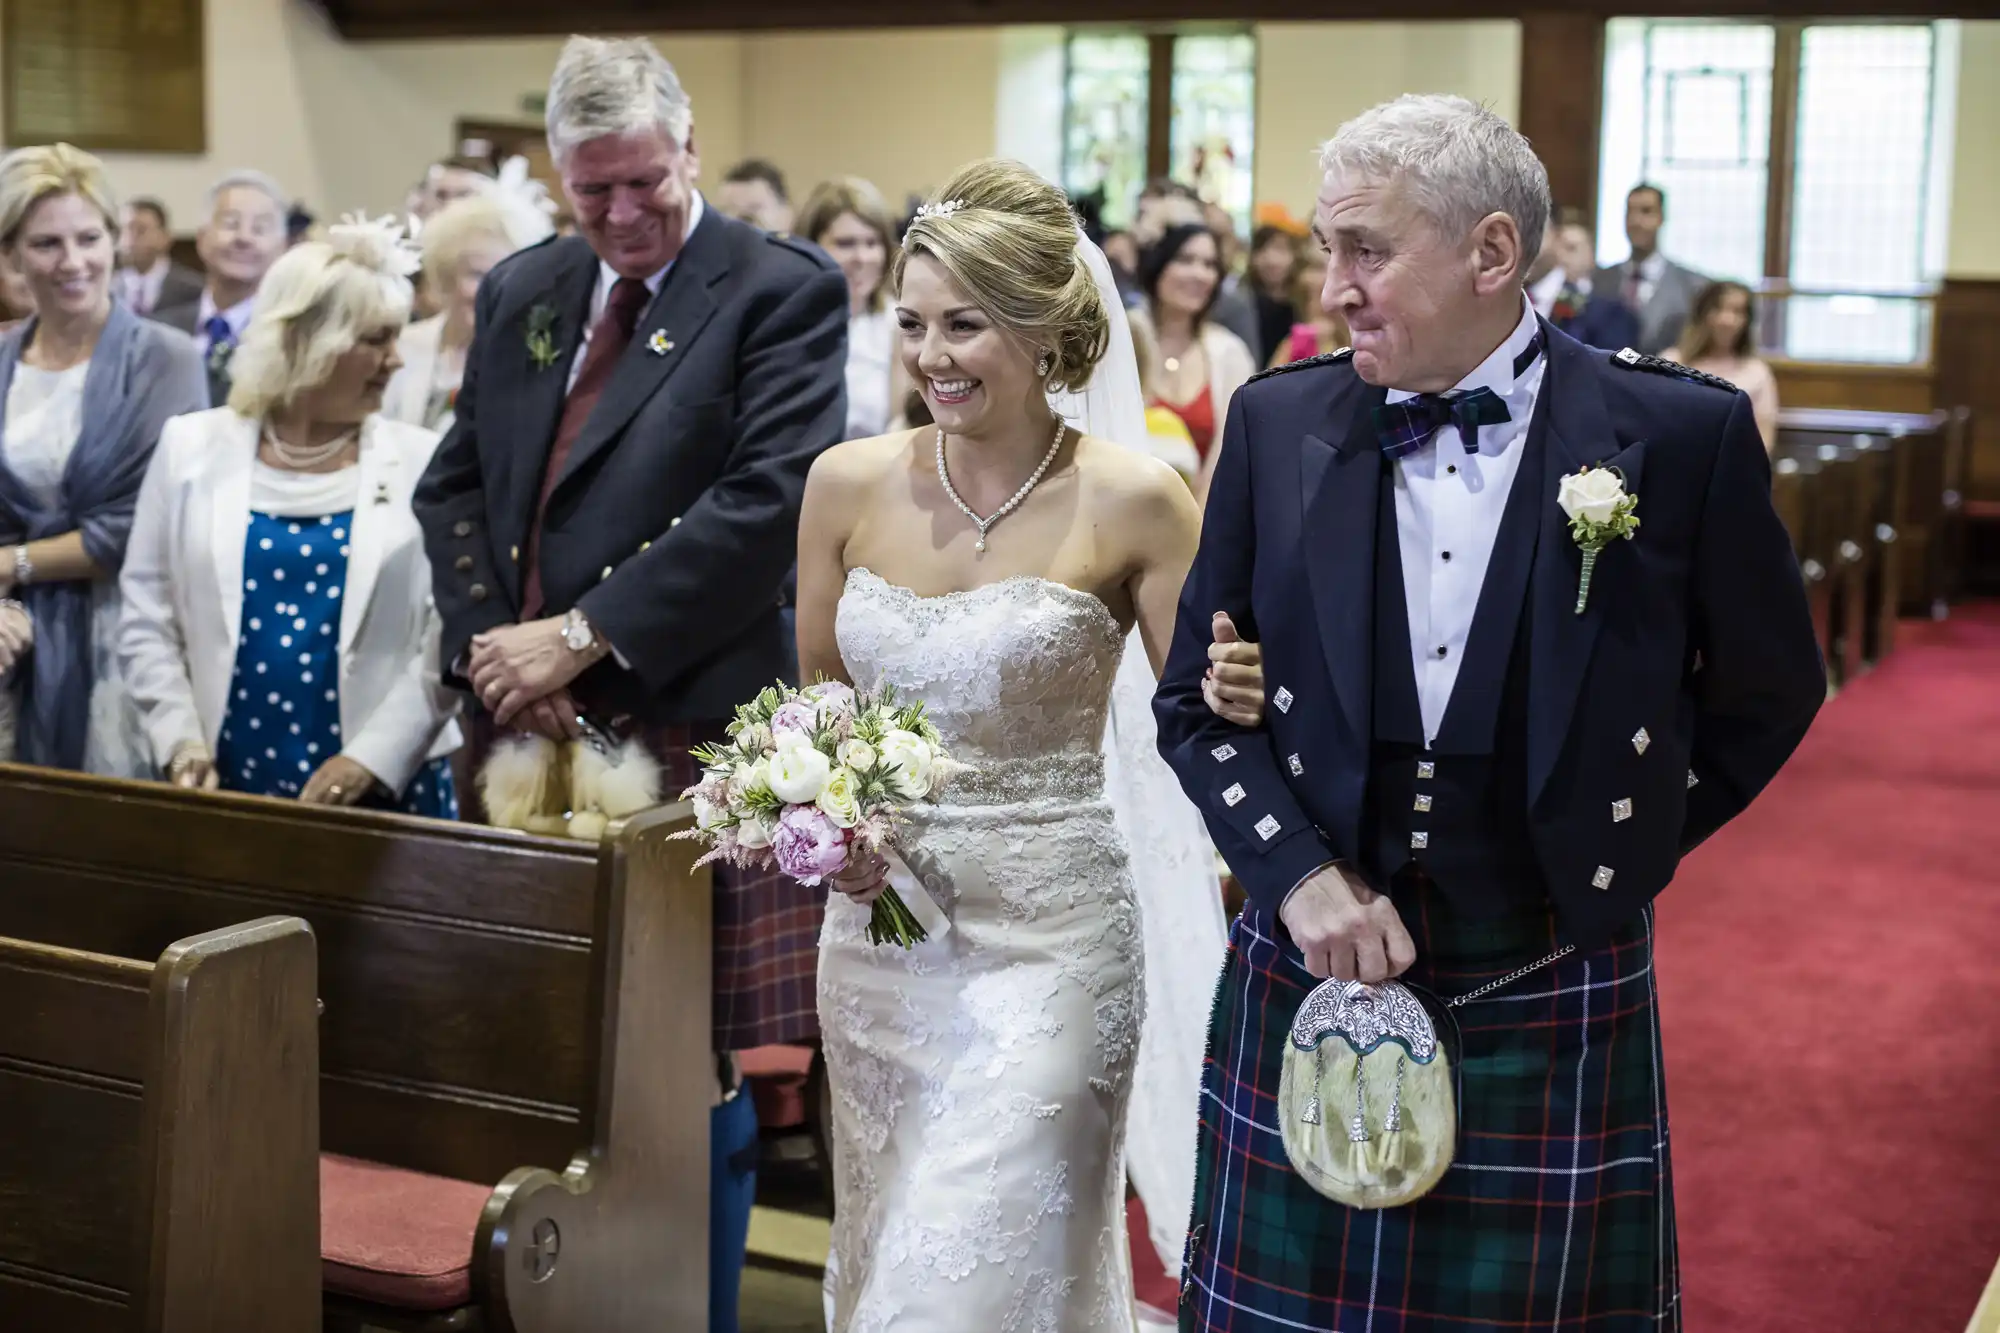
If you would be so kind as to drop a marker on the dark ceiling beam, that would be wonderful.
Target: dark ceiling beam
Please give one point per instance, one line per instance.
(379, 20)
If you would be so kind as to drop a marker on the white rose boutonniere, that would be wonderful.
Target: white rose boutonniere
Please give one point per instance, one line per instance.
(1600, 511)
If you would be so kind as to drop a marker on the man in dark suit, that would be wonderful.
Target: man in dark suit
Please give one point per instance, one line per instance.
(615, 508)
(1466, 770)
(148, 278)
(1658, 292)
(242, 237)
(1560, 286)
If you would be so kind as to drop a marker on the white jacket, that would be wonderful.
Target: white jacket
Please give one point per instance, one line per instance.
(183, 591)
(409, 393)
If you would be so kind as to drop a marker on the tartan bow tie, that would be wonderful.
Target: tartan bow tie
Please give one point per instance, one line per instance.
(1407, 426)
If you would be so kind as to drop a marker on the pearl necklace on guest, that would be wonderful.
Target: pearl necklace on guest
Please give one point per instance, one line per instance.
(1013, 503)
(304, 458)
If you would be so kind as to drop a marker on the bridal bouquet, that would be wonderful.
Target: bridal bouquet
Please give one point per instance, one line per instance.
(813, 779)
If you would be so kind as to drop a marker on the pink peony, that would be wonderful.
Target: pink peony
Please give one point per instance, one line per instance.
(797, 715)
(808, 845)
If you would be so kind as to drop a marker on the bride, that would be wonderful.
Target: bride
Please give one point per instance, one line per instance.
(991, 567)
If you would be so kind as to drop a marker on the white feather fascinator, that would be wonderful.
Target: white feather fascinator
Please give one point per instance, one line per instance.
(380, 244)
(524, 201)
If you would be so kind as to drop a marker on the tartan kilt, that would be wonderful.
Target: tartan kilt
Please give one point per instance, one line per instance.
(1557, 1212)
(766, 931)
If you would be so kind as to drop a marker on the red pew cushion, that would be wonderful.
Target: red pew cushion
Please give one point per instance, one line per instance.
(394, 1237)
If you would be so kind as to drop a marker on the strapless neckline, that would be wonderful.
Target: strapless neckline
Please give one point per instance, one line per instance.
(1090, 601)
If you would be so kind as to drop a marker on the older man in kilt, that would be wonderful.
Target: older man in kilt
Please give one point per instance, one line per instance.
(1469, 774)
(611, 519)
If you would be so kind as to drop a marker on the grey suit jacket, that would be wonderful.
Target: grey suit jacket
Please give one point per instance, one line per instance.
(181, 286)
(186, 316)
(1661, 320)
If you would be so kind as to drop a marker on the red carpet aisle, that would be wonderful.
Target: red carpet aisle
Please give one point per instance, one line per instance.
(1830, 987)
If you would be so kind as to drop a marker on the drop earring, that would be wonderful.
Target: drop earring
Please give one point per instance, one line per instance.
(1042, 365)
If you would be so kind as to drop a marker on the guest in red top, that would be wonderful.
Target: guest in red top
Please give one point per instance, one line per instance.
(1198, 364)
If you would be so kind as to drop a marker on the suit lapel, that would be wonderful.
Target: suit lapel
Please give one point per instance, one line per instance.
(230, 469)
(677, 315)
(376, 482)
(1562, 642)
(1338, 480)
(535, 407)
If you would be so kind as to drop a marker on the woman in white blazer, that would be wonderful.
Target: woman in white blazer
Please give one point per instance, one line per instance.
(278, 633)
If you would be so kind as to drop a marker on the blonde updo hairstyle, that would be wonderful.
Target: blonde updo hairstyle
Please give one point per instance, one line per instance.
(1010, 244)
(316, 303)
(30, 175)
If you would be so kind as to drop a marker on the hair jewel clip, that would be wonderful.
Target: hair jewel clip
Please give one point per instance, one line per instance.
(377, 243)
(939, 210)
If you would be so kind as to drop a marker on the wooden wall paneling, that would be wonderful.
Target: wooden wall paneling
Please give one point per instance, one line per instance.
(1967, 339)
(1856, 387)
(1562, 100)
(106, 75)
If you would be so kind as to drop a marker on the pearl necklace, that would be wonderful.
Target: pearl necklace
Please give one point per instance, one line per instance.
(1012, 504)
(308, 457)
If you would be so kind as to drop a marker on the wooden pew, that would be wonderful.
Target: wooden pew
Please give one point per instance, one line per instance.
(1927, 482)
(1801, 493)
(515, 1068)
(158, 1131)
(1867, 530)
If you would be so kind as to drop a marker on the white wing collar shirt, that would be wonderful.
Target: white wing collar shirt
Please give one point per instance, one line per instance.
(1448, 507)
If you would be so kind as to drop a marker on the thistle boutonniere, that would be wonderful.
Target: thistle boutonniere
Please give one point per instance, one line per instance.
(1600, 511)
(219, 356)
(541, 336)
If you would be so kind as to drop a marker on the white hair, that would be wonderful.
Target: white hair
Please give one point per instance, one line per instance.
(248, 180)
(1458, 159)
(614, 86)
(315, 304)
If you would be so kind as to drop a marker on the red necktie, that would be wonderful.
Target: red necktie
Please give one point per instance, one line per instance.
(608, 339)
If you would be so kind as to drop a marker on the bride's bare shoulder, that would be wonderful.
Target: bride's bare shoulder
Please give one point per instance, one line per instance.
(860, 464)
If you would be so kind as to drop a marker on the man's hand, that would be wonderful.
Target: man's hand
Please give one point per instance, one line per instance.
(17, 635)
(1346, 929)
(1234, 685)
(517, 665)
(554, 717)
(339, 781)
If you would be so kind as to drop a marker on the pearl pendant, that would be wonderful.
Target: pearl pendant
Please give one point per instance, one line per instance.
(979, 545)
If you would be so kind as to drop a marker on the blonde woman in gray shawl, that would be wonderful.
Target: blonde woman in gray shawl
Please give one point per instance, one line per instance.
(87, 385)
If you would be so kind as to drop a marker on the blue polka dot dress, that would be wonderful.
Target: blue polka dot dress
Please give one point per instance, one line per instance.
(284, 707)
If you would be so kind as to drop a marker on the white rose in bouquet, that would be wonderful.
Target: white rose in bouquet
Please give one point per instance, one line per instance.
(755, 738)
(1592, 494)
(753, 833)
(748, 780)
(797, 772)
(910, 762)
(706, 816)
(839, 799)
(858, 755)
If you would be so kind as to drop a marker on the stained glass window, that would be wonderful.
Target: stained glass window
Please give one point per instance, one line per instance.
(1104, 119)
(1214, 120)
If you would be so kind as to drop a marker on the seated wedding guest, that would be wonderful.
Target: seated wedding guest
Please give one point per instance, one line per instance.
(278, 632)
(753, 191)
(1274, 263)
(87, 385)
(243, 236)
(1720, 339)
(1167, 435)
(848, 219)
(148, 278)
(1319, 329)
(1197, 363)
(461, 244)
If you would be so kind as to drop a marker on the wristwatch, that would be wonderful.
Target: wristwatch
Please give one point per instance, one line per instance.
(577, 634)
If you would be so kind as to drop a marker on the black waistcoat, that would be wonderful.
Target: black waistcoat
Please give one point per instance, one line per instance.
(1459, 809)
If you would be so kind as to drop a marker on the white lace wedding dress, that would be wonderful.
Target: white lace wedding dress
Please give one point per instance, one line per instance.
(980, 1080)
